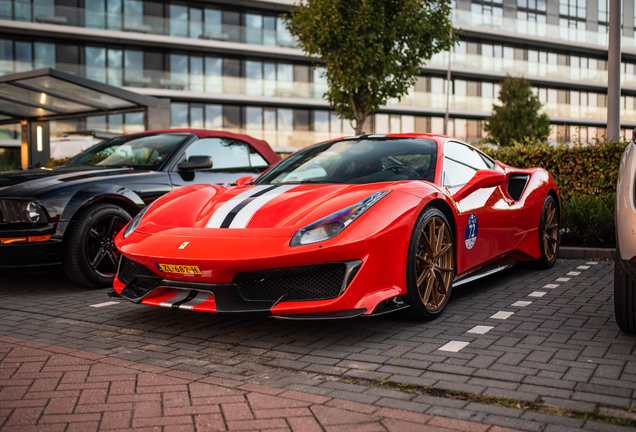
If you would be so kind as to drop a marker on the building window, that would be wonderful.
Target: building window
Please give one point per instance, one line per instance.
(572, 14)
(486, 7)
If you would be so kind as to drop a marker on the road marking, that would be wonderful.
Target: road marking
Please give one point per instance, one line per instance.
(454, 346)
(583, 267)
(480, 329)
(502, 315)
(551, 286)
(537, 294)
(521, 303)
(592, 262)
(562, 279)
(573, 274)
(98, 305)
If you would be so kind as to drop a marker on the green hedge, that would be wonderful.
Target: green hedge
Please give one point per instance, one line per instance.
(580, 170)
(586, 176)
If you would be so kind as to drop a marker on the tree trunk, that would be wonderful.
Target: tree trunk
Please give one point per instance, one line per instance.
(360, 124)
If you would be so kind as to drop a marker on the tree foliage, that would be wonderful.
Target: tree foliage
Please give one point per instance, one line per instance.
(372, 49)
(517, 120)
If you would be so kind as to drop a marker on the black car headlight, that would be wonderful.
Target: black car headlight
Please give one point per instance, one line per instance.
(14, 211)
(134, 223)
(332, 225)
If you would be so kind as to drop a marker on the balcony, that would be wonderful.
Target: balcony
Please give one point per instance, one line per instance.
(116, 21)
(212, 87)
(477, 64)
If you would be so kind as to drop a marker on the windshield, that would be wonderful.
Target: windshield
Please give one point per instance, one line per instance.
(358, 161)
(146, 152)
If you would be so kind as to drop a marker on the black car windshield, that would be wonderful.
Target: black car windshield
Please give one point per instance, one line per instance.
(146, 152)
(357, 161)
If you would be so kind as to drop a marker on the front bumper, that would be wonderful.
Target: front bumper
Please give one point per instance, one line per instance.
(27, 255)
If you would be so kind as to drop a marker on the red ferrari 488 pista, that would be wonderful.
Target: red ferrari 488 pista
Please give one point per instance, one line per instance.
(363, 225)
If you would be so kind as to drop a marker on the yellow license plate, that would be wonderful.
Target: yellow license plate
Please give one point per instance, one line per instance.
(181, 269)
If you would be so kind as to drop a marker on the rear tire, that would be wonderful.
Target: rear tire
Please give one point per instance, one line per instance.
(549, 233)
(430, 266)
(624, 297)
(90, 256)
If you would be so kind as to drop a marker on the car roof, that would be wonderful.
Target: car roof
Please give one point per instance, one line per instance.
(259, 145)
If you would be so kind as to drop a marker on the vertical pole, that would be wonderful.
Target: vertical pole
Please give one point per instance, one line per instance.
(614, 73)
(448, 90)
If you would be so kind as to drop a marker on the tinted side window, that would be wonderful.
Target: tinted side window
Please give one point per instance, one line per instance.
(225, 152)
(256, 159)
(461, 162)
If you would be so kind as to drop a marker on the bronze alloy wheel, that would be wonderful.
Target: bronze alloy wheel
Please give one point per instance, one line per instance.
(434, 266)
(550, 230)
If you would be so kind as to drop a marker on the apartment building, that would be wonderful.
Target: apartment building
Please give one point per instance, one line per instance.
(232, 65)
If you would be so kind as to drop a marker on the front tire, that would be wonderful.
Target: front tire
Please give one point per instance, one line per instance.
(430, 266)
(90, 256)
(624, 297)
(549, 235)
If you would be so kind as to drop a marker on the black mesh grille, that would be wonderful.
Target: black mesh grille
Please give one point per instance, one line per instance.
(315, 282)
(129, 270)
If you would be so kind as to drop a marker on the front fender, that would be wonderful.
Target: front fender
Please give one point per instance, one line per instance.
(83, 198)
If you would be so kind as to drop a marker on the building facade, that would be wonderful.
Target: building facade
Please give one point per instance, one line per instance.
(232, 65)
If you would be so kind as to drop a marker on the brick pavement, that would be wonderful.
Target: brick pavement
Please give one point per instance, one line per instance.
(562, 344)
(49, 388)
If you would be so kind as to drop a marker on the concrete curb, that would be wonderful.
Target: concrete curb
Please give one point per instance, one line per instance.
(566, 252)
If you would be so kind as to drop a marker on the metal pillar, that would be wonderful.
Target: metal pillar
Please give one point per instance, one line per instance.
(448, 90)
(614, 73)
(36, 146)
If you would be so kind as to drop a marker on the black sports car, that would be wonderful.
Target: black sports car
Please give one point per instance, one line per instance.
(69, 215)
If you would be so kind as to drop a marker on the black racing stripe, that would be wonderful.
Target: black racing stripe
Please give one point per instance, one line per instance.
(190, 296)
(231, 215)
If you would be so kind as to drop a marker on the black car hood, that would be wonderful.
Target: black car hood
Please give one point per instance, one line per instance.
(34, 181)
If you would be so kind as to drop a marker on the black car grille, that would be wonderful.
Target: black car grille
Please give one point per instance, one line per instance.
(314, 282)
(129, 270)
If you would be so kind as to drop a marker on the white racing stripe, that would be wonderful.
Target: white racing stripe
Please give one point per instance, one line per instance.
(200, 298)
(243, 217)
(180, 295)
(221, 213)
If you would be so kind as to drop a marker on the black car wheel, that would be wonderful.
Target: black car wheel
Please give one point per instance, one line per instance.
(549, 235)
(624, 297)
(90, 256)
(430, 266)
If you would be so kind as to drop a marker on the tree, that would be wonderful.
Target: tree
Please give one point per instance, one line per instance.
(372, 49)
(517, 120)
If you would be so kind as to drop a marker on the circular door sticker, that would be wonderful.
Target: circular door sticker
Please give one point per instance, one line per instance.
(471, 231)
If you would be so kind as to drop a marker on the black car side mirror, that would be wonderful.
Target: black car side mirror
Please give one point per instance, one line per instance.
(195, 162)
(634, 136)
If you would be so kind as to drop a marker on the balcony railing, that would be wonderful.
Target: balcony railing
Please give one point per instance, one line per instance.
(105, 20)
(214, 85)
(478, 63)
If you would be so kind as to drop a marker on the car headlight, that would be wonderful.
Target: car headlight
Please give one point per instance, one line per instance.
(134, 223)
(332, 225)
(13, 211)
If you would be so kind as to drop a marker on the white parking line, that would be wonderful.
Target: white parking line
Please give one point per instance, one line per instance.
(521, 303)
(583, 267)
(573, 274)
(98, 305)
(537, 294)
(480, 329)
(551, 286)
(454, 346)
(562, 279)
(592, 262)
(502, 315)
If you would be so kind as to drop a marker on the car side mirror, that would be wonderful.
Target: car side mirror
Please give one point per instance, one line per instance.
(482, 179)
(244, 180)
(195, 162)
(634, 136)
